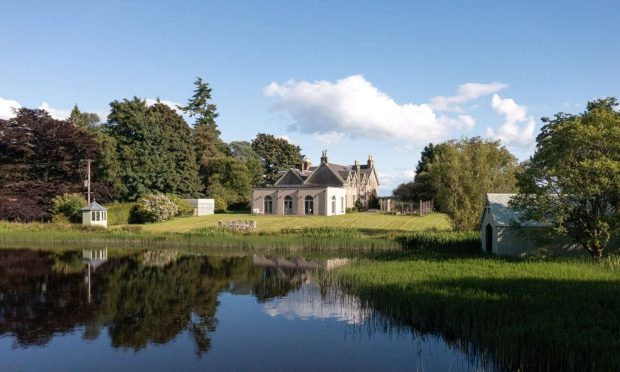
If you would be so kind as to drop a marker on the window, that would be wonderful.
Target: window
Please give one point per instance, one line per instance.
(334, 204)
(92, 216)
(288, 205)
(309, 205)
(268, 205)
(342, 204)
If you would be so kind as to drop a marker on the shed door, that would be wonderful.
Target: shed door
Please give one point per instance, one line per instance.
(489, 238)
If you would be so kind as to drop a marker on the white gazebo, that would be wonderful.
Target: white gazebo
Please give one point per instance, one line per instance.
(95, 215)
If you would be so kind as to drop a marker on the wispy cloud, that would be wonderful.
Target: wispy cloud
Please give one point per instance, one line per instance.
(6, 108)
(466, 92)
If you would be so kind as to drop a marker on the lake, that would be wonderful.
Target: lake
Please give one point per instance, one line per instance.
(162, 310)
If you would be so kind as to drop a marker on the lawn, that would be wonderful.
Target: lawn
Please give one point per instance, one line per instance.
(368, 223)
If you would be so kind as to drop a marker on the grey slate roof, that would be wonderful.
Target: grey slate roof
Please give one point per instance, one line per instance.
(503, 214)
(94, 206)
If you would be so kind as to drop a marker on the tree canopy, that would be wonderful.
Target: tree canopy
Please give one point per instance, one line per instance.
(463, 172)
(154, 149)
(41, 157)
(573, 179)
(276, 154)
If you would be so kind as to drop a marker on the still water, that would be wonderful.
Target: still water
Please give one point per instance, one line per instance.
(164, 310)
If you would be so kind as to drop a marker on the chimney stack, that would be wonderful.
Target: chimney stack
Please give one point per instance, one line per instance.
(306, 164)
(371, 162)
(324, 157)
(356, 168)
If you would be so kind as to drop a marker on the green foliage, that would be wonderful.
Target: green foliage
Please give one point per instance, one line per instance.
(463, 172)
(459, 242)
(154, 149)
(183, 207)
(422, 187)
(84, 120)
(119, 213)
(68, 206)
(243, 150)
(322, 232)
(276, 154)
(154, 208)
(573, 180)
(229, 182)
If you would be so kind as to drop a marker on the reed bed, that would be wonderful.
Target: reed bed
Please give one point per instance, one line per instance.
(525, 314)
(453, 242)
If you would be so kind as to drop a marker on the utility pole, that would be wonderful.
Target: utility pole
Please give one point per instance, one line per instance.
(88, 165)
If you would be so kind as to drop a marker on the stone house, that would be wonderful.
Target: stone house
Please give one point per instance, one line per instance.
(325, 190)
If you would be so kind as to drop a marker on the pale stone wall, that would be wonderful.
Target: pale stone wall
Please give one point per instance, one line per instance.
(298, 195)
(100, 218)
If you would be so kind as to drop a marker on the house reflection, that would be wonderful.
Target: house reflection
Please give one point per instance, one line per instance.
(92, 258)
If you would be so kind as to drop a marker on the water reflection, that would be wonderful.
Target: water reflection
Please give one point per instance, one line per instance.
(163, 297)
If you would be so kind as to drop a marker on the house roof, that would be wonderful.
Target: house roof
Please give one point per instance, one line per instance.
(94, 206)
(504, 215)
(341, 173)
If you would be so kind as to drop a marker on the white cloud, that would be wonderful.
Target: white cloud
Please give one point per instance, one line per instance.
(355, 107)
(518, 127)
(329, 138)
(466, 92)
(389, 180)
(6, 108)
(57, 114)
(287, 139)
(460, 123)
(171, 104)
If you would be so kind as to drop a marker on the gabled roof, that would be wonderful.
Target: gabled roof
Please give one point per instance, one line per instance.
(94, 206)
(503, 214)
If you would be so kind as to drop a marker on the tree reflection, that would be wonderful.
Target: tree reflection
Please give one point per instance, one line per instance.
(150, 297)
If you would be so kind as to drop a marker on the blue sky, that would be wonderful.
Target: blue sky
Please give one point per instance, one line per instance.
(355, 78)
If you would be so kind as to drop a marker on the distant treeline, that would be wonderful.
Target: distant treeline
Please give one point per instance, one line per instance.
(138, 149)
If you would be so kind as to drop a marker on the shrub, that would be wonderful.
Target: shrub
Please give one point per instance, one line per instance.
(153, 208)
(68, 206)
(442, 241)
(183, 207)
(119, 213)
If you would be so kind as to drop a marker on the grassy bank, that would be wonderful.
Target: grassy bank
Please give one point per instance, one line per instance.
(367, 223)
(35, 234)
(525, 315)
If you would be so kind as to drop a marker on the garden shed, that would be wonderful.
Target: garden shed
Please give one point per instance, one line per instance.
(202, 207)
(95, 215)
(503, 232)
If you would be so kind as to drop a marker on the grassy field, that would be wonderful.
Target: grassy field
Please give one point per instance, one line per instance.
(368, 223)
(523, 315)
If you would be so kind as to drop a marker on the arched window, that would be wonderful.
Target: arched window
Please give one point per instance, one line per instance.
(309, 205)
(268, 205)
(288, 205)
(334, 204)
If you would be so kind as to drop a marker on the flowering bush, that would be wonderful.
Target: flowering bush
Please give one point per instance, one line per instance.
(67, 207)
(154, 208)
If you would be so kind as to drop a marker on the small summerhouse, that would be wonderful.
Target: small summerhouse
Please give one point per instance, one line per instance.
(95, 215)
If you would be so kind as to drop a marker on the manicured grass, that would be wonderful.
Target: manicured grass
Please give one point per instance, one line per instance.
(367, 223)
(524, 315)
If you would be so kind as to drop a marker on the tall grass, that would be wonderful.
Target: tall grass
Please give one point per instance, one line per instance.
(460, 242)
(525, 314)
(293, 240)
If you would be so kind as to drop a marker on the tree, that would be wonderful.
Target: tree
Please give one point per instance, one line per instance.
(573, 179)
(463, 172)
(154, 147)
(83, 119)
(276, 154)
(230, 182)
(422, 186)
(40, 158)
(243, 150)
(207, 142)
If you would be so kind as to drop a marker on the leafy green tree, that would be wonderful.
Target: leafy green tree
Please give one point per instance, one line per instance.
(83, 119)
(230, 183)
(243, 150)
(573, 179)
(154, 147)
(69, 206)
(422, 187)
(276, 154)
(207, 142)
(463, 172)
